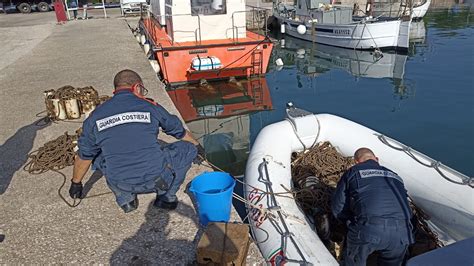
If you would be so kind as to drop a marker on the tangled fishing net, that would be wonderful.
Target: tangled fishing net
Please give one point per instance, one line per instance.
(87, 98)
(315, 174)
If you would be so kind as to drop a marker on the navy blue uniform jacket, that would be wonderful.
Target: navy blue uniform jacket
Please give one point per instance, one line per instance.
(124, 131)
(369, 190)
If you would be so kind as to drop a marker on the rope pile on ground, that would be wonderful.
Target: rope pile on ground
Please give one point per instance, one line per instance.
(53, 156)
(315, 174)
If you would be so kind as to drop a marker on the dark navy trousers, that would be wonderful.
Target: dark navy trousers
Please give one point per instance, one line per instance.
(179, 157)
(387, 236)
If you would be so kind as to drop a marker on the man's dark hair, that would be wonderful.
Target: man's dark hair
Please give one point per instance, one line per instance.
(126, 78)
(363, 152)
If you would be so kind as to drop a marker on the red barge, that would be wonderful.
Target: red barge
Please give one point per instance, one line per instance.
(192, 40)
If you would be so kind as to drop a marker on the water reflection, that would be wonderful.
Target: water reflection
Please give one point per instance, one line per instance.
(417, 38)
(454, 18)
(313, 60)
(218, 115)
(418, 32)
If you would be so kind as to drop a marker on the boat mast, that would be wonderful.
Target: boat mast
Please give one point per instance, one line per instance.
(406, 8)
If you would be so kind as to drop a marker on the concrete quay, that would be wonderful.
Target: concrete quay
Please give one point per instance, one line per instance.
(39, 227)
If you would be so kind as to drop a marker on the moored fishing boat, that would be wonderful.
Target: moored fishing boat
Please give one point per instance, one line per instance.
(285, 234)
(318, 21)
(195, 40)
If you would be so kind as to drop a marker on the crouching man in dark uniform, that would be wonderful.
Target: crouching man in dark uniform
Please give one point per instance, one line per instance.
(373, 201)
(120, 137)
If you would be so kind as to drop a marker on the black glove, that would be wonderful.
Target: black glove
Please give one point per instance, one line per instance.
(75, 191)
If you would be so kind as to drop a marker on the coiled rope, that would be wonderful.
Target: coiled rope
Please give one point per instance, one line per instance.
(56, 155)
(53, 156)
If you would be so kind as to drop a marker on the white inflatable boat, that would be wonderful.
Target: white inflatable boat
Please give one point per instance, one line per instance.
(282, 231)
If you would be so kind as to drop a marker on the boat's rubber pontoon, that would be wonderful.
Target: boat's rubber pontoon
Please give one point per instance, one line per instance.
(282, 230)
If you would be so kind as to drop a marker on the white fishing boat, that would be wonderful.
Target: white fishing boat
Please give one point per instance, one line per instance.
(318, 21)
(285, 234)
(419, 10)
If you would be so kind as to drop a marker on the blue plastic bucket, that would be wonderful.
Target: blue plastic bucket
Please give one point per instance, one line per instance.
(213, 193)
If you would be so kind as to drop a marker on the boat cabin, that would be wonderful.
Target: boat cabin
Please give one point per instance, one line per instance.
(322, 12)
(200, 20)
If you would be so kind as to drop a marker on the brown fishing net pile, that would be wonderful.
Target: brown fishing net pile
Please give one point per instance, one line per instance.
(315, 174)
(87, 98)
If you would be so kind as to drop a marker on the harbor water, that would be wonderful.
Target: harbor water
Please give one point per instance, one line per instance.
(424, 99)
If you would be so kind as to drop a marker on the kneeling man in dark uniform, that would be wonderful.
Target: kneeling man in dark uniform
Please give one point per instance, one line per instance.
(120, 138)
(373, 201)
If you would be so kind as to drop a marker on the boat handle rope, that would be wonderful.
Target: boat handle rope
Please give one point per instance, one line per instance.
(433, 164)
(293, 126)
(286, 234)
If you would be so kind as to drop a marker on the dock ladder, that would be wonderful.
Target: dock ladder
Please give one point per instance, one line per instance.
(257, 63)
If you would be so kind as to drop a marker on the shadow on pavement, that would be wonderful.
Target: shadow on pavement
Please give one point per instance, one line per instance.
(14, 152)
(96, 176)
(151, 244)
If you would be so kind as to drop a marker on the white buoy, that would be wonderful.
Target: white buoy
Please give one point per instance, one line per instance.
(300, 53)
(72, 109)
(59, 110)
(301, 29)
(282, 28)
(146, 48)
(216, 4)
(142, 39)
(137, 37)
(282, 43)
(155, 65)
(279, 62)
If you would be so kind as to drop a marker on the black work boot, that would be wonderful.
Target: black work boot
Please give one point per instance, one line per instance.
(165, 205)
(131, 206)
